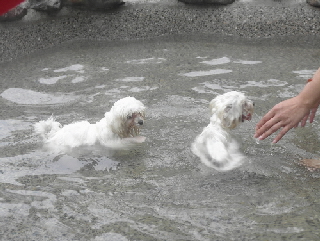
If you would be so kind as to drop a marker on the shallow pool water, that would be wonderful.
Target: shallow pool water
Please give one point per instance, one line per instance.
(160, 190)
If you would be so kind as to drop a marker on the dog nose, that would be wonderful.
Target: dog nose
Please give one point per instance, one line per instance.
(140, 122)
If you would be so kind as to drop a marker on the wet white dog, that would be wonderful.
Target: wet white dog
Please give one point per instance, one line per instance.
(214, 146)
(119, 129)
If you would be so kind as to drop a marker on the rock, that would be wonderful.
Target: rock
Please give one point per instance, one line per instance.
(224, 2)
(46, 5)
(96, 4)
(76, 2)
(315, 3)
(104, 4)
(16, 13)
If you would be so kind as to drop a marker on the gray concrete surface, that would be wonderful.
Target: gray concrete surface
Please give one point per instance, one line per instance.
(142, 19)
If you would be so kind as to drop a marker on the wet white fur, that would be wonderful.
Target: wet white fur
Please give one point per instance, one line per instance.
(111, 131)
(214, 146)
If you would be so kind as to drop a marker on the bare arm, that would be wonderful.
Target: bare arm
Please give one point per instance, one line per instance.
(289, 113)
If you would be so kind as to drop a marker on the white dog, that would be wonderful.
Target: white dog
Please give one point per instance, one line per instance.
(119, 128)
(214, 146)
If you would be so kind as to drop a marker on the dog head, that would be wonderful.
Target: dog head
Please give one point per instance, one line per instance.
(128, 116)
(232, 108)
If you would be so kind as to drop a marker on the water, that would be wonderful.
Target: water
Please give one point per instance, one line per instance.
(159, 191)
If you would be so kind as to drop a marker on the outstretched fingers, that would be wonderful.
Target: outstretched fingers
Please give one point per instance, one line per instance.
(313, 114)
(263, 124)
(281, 134)
(268, 129)
(304, 121)
(266, 126)
(271, 127)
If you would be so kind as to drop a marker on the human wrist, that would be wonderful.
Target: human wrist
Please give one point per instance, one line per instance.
(307, 99)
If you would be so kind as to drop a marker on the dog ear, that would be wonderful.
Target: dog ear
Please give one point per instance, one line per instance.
(231, 116)
(227, 116)
(212, 106)
(228, 108)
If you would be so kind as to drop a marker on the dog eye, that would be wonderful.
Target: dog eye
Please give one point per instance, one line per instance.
(129, 117)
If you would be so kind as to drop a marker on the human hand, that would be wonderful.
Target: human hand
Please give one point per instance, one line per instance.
(286, 115)
(309, 116)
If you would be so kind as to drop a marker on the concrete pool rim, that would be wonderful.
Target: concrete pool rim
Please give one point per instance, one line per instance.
(146, 21)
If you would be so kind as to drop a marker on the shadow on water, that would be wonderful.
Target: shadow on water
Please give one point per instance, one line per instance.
(160, 190)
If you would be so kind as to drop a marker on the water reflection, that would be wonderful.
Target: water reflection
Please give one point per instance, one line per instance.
(207, 72)
(30, 97)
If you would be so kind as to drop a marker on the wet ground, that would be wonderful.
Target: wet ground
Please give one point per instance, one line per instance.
(147, 19)
(251, 2)
(159, 191)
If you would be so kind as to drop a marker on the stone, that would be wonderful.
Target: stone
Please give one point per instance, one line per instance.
(75, 2)
(16, 13)
(46, 5)
(223, 2)
(315, 3)
(96, 4)
(102, 4)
